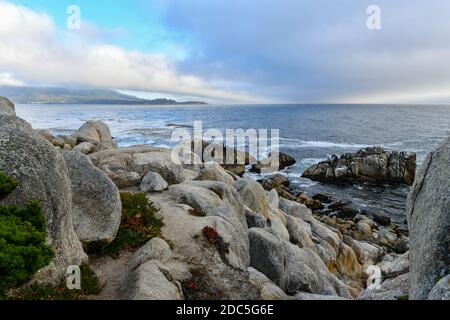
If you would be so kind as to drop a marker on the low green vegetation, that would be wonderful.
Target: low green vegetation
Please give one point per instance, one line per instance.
(139, 224)
(23, 249)
(89, 285)
(7, 185)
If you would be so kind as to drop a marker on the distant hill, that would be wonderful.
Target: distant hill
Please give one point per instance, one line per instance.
(49, 95)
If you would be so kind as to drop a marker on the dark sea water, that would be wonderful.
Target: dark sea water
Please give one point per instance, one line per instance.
(310, 133)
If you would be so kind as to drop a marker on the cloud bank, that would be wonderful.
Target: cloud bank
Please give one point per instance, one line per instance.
(247, 52)
(322, 51)
(34, 50)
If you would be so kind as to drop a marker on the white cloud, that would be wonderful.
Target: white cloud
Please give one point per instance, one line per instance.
(7, 79)
(34, 50)
(322, 51)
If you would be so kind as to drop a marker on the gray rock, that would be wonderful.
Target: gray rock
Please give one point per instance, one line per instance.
(148, 282)
(97, 133)
(253, 195)
(391, 289)
(226, 275)
(46, 134)
(255, 220)
(277, 227)
(308, 273)
(71, 141)
(373, 165)
(322, 231)
(42, 174)
(428, 208)
(155, 249)
(214, 172)
(316, 297)
(7, 106)
(296, 209)
(268, 290)
(368, 254)
(85, 148)
(441, 290)
(153, 181)
(402, 246)
(267, 255)
(159, 162)
(300, 232)
(274, 200)
(124, 179)
(96, 205)
(387, 236)
(325, 251)
(224, 210)
(364, 228)
(274, 163)
(394, 265)
(291, 267)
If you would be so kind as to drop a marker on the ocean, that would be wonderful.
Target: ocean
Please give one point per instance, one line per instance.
(309, 133)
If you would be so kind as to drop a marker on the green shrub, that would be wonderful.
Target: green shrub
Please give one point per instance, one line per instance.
(89, 285)
(139, 224)
(7, 185)
(23, 250)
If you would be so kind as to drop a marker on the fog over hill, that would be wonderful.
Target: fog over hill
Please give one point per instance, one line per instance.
(58, 95)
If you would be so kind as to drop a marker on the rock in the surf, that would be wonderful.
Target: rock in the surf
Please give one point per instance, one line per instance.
(373, 165)
(272, 164)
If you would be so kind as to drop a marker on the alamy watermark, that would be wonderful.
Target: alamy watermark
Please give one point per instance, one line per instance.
(375, 278)
(374, 19)
(73, 278)
(74, 18)
(212, 145)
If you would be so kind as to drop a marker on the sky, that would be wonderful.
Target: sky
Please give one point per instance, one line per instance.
(252, 51)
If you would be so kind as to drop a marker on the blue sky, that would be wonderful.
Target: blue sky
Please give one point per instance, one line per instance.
(131, 24)
(253, 51)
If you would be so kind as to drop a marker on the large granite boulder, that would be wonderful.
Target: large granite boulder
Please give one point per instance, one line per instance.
(153, 182)
(42, 175)
(7, 106)
(148, 282)
(268, 256)
(373, 165)
(231, 159)
(268, 290)
(253, 195)
(428, 212)
(97, 133)
(208, 196)
(96, 204)
(214, 172)
(123, 165)
(390, 289)
(308, 273)
(441, 290)
(155, 249)
(292, 268)
(219, 268)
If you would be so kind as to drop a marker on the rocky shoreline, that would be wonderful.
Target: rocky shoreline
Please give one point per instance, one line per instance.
(226, 237)
(369, 165)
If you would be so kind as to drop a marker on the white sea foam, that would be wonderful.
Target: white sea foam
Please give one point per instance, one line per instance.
(297, 143)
